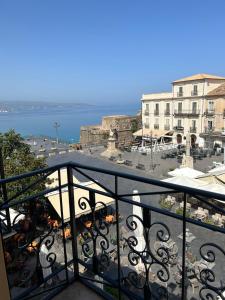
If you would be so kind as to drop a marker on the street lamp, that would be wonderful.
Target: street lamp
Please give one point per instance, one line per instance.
(56, 125)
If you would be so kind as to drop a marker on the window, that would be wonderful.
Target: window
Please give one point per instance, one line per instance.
(180, 107)
(210, 125)
(156, 125)
(179, 123)
(146, 122)
(210, 105)
(147, 107)
(194, 107)
(180, 91)
(157, 109)
(167, 122)
(167, 108)
(193, 123)
(195, 90)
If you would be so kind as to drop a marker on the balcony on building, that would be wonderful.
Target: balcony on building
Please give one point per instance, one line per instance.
(210, 112)
(209, 130)
(167, 112)
(186, 113)
(167, 127)
(193, 129)
(194, 93)
(178, 128)
(180, 94)
(106, 239)
(156, 126)
(156, 112)
(146, 112)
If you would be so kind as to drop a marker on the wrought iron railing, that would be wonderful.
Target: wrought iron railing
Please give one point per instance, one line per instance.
(194, 93)
(210, 112)
(167, 112)
(161, 247)
(187, 113)
(193, 129)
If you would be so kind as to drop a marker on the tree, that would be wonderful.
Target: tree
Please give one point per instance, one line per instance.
(18, 159)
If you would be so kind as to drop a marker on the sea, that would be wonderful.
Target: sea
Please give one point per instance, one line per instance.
(39, 122)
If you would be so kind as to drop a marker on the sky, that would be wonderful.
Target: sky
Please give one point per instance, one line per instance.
(106, 51)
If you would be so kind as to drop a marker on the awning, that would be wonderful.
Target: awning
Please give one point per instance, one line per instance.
(152, 132)
(78, 194)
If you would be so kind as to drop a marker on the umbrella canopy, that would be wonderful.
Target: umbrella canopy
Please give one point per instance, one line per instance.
(137, 211)
(186, 181)
(188, 172)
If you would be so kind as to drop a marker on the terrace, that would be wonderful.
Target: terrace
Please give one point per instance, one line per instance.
(133, 249)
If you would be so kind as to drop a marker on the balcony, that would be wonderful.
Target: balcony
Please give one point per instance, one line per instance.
(130, 249)
(186, 113)
(193, 129)
(146, 112)
(156, 113)
(166, 127)
(167, 113)
(194, 93)
(209, 130)
(156, 126)
(180, 94)
(178, 128)
(210, 112)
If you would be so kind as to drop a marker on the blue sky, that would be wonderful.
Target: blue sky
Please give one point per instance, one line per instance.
(106, 51)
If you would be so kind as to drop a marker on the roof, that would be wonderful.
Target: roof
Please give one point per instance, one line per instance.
(154, 96)
(188, 172)
(219, 91)
(199, 77)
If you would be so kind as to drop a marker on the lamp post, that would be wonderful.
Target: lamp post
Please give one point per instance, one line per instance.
(56, 126)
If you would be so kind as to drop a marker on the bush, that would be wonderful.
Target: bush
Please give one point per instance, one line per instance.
(165, 204)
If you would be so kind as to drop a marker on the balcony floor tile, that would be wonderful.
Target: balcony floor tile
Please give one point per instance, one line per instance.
(77, 291)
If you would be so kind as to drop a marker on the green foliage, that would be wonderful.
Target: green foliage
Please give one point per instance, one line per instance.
(134, 126)
(209, 221)
(179, 211)
(165, 204)
(18, 159)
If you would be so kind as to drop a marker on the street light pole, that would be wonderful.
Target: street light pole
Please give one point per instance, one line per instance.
(56, 126)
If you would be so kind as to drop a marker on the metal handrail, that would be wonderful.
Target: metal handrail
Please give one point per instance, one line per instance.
(119, 197)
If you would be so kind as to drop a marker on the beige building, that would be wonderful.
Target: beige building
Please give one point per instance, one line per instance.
(196, 104)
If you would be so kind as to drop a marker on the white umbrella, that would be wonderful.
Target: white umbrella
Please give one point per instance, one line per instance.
(137, 211)
(46, 271)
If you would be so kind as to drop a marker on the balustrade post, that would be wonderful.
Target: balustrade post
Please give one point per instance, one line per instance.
(184, 281)
(3, 274)
(73, 226)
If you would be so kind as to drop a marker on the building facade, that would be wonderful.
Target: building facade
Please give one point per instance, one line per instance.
(196, 104)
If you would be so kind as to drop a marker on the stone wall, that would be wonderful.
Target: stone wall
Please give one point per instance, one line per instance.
(124, 126)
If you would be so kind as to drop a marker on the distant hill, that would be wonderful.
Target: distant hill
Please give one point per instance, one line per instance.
(25, 106)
